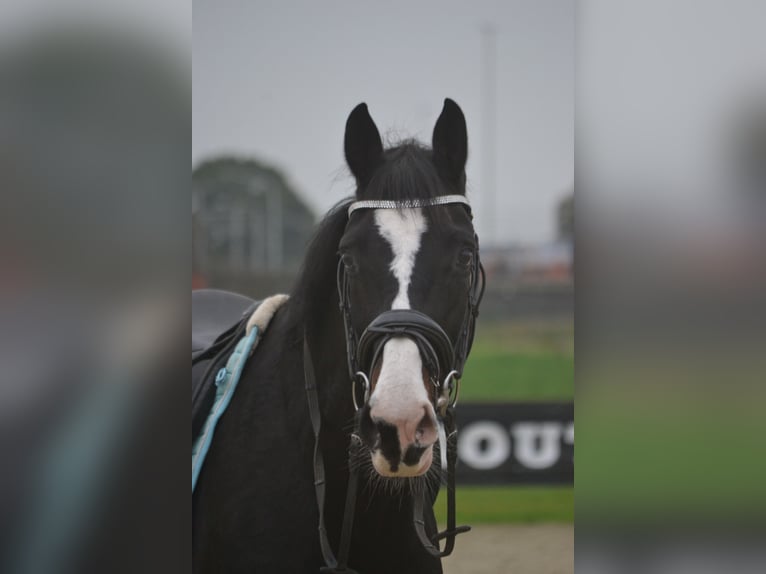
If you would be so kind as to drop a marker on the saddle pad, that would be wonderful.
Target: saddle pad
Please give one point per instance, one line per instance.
(226, 381)
(225, 330)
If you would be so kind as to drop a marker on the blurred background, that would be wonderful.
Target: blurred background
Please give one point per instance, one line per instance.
(671, 300)
(273, 84)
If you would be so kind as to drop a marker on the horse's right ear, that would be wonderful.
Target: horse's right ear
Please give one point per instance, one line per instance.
(362, 145)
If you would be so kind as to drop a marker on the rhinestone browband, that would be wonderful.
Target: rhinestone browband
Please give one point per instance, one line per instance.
(407, 203)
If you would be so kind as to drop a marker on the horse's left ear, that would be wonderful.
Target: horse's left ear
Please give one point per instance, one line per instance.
(450, 142)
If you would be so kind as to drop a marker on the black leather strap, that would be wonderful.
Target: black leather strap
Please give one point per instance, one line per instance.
(475, 295)
(452, 530)
(333, 565)
(348, 523)
(345, 308)
(434, 344)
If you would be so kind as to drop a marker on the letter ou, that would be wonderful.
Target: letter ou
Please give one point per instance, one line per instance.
(527, 453)
(498, 445)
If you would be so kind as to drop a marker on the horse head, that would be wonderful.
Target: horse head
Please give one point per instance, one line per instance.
(409, 281)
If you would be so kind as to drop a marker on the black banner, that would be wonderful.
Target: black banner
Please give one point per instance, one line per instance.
(515, 443)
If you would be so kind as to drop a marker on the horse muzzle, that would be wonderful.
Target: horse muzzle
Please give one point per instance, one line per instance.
(406, 352)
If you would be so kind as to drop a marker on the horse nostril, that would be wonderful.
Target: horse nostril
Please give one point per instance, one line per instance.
(426, 429)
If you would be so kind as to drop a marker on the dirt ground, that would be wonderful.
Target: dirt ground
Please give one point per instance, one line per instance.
(513, 549)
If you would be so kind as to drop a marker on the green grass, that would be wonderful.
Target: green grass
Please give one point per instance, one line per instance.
(495, 377)
(500, 504)
(527, 362)
(516, 362)
(658, 448)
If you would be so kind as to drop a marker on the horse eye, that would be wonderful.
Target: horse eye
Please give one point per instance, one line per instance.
(465, 259)
(348, 262)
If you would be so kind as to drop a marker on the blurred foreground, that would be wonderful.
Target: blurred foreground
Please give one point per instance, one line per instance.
(94, 267)
(671, 199)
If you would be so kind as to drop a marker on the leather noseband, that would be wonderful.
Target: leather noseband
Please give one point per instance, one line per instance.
(434, 344)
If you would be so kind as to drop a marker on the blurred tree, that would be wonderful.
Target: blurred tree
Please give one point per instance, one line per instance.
(751, 150)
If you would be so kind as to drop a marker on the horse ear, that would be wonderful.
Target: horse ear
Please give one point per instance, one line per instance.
(362, 145)
(450, 142)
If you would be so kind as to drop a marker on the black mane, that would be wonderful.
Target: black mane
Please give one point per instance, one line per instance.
(315, 286)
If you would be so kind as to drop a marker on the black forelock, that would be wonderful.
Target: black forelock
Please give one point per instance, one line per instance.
(407, 172)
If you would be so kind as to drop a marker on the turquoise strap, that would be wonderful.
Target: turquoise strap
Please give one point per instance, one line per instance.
(226, 383)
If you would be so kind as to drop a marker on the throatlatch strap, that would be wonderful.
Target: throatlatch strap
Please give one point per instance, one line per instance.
(333, 565)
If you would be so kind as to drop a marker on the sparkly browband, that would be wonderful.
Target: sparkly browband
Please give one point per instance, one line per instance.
(407, 203)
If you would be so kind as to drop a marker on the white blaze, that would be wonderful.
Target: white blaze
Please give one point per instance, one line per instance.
(402, 228)
(400, 396)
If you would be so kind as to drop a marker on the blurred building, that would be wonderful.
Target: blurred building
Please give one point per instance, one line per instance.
(250, 228)
(543, 264)
(529, 282)
(533, 281)
(540, 264)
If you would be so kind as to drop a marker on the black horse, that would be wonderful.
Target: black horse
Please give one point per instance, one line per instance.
(405, 244)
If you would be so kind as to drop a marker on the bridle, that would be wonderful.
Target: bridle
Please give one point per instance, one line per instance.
(444, 361)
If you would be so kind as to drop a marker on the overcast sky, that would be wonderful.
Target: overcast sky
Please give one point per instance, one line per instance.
(276, 80)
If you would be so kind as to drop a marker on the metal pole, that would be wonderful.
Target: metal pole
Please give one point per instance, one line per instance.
(274, 225)
(489, 130)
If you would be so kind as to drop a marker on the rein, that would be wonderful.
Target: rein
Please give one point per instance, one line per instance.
(444, 361)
